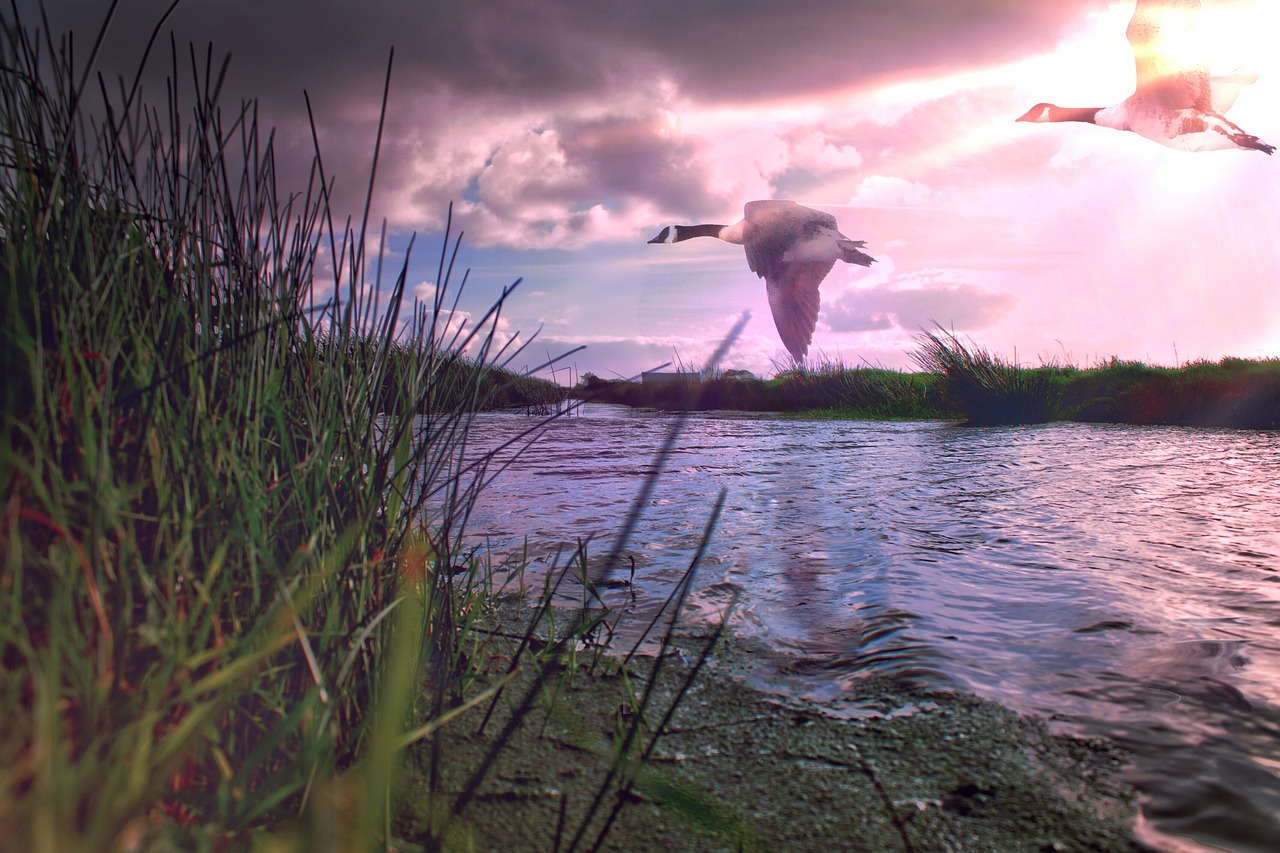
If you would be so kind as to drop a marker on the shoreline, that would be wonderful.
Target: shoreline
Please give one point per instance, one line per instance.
(736, 767)
(977, 388)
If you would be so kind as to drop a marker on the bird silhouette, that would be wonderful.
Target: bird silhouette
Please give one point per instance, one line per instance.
(790, 246)
(1175, 102)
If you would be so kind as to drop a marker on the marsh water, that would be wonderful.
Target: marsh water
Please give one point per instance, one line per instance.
(1120, 581)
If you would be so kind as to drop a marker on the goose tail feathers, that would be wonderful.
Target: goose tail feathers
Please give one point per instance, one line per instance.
(850, 254)
(1253, 142)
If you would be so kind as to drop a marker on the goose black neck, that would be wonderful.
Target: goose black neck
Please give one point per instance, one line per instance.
(686, 232)
(1085, 114)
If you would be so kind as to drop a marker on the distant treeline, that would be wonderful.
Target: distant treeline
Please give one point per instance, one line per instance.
(966, 383)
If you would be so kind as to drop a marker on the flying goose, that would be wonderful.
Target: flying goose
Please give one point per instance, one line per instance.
(1175, 101)
(792, 248)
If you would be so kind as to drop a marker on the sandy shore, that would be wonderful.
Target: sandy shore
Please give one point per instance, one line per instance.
(738, 768)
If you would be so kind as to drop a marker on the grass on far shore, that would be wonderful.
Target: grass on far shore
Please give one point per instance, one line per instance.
(856, 392)
(963, 381)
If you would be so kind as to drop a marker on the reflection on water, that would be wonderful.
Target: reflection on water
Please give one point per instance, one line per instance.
(1122, 581)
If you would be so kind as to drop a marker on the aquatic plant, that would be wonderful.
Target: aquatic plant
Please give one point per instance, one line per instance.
(233, 504)
(1233, 392)
(235, 584)
(986, 388)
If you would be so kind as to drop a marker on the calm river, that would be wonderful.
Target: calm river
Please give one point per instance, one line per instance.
(1121, 581)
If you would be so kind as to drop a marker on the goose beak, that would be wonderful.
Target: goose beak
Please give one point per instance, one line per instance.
(662, 235)
(1038, 113)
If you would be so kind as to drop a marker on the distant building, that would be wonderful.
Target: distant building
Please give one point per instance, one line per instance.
(662, 377)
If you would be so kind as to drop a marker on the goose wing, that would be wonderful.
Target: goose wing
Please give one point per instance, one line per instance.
(793, 299)
(1171, 66)
(1225, 89)
(772, 227)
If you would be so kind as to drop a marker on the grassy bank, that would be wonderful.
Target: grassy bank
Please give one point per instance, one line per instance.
(831, 389)
(986, 389)
(963, 381)
(1232, 392)
(231, 495)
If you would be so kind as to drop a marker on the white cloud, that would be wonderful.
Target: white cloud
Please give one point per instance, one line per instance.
(424, 291)
(914, 301)
(885, 191)
(819, 150)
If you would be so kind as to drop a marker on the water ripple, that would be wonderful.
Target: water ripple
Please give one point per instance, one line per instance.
(1122, 581)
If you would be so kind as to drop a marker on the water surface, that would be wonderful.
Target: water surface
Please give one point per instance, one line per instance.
(1121, 581)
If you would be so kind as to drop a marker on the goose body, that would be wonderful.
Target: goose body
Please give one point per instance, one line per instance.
(1175, 102)
(792, 248)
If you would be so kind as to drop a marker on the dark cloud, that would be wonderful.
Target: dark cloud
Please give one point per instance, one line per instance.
(455, 59)
(523, 49)
(625, 156)
(611, 161)
(555, 180)
(960, 306)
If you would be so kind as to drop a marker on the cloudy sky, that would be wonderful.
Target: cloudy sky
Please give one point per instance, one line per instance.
(568, 132)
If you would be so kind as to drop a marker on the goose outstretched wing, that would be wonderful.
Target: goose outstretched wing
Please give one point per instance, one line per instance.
(1172, 69)
(794, 300)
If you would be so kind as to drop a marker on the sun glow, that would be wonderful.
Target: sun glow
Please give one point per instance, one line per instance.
(1240, 35)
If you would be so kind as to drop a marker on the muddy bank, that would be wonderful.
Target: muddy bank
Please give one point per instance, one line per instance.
(737, 768)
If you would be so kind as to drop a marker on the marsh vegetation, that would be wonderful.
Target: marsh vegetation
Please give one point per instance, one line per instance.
(960, 380)
(233, 591)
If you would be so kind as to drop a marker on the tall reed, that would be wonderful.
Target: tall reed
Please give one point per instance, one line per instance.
(985, 388)
(218, 587)
(234, 498)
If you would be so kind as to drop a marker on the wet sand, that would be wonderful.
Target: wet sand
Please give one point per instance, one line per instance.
(738, 768)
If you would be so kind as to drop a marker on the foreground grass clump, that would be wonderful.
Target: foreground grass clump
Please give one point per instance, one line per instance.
(219, 596)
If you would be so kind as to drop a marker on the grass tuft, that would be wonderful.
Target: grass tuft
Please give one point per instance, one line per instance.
(234, 489)
(231, 496)
(985, 388)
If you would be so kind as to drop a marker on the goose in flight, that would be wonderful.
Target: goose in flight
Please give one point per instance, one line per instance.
(1175, 101)
(792, 248)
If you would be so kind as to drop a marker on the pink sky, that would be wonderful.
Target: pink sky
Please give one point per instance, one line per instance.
(567, 134)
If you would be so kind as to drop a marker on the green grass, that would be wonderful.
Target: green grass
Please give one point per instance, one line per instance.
(1233, 392)
(861, 392)
(963, 381)
(231, 509)
(985, 388)
(826, 390)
